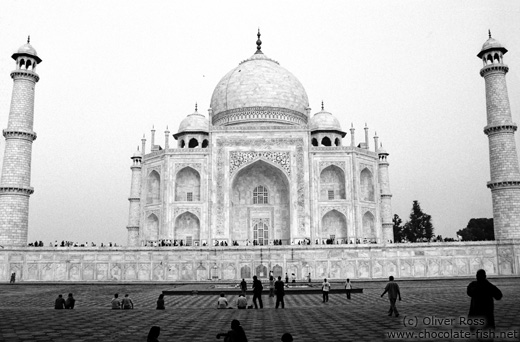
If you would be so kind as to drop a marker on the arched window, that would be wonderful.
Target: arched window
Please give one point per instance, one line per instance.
(497, 59)
(187, 185)
(193, 143)
(261, 233)
(332, 183)
(367, 185)
(183, 143)
(28, 64)
(260, 195)
(314, 142)
(490, 59)
(326, 141)
(154, 187)
(22, 63)
(205, 143)
(337, 142)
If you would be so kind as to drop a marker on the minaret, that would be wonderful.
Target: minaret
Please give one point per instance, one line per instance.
(500, 129)
(386, 196)
(15, 187)
(135, 200)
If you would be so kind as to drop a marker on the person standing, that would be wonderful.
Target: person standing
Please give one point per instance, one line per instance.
(59, 303)
(257, 292)
(13, 278)
(271, 286)
(116, 304)
(279, 289)
(160, 302)
(325, 288)
(309, 278)
(243, 286)
(482, 294)
(69, 303)
(393, 293)
(348, 288)
(127, 303)
(286, 278)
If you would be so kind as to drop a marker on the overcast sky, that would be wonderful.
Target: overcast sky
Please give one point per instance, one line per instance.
(112, 69)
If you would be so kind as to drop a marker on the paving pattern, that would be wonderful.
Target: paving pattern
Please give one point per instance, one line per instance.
(27, 313)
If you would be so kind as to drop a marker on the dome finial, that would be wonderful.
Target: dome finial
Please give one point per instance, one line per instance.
(195, 106)
(489, 33)
(322, 108)
(258, 42)
(28, 39)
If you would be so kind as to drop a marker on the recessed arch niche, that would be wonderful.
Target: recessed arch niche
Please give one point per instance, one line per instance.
(187, 185)
(187, 225)
(152, 227)
(334, 223)
(367, 185)
(369, 226)
(153, 195)
(332, 183)
(245, 212)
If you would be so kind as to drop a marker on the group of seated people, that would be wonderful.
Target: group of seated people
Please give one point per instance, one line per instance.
(69, 244)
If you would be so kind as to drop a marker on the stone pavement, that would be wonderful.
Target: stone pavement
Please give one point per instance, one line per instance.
(27, 313)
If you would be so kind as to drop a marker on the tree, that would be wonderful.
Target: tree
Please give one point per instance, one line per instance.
(420, 227)
(398, 229)
(478, 229)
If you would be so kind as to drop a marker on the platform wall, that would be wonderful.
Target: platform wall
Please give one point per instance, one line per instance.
(230, 263)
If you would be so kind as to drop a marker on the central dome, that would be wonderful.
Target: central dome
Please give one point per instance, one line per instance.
(259, 91)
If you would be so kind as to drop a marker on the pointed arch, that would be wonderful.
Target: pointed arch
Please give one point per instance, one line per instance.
(367, 185)
(314, 142)
(205, 143)
(369, 226)
(152, 227)
(187, 185)
(326, 141)
(337, 142)
(187, 228)
(193, 143)
(332, 183)
(153, 195)
(22, 63)
(28, 64)
(334, 223)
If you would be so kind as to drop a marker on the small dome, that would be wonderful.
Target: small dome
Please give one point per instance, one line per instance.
(491, 44)
(27, 49)
(381, 150)
(194, 122)
(324, 121)
(137, 154)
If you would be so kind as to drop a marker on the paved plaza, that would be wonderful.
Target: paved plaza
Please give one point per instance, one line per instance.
(27, 313)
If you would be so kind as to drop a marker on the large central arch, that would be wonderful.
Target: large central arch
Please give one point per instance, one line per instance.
(260, 198)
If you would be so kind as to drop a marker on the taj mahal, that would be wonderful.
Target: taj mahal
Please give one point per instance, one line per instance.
(261, 183)
(262, 169)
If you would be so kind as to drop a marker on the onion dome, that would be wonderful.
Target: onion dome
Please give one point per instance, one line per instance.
(27, 50)
(259, 90)
(194, 122)
(325, 121)
(491, 44)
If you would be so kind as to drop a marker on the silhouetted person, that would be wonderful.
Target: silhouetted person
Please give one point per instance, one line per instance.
(116, 304)
(243, 286)
(482, 293)
(127, 303)
(279, 290)
(59, 303)
(236, 334)
(69, 303)
(287, 338)
(160, 302)
(393, 292)
(13, 278)
(154, 333)
(257, 292)
(348, 288)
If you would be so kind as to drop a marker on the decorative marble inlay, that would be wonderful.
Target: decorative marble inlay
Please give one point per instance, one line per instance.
(193, 210)
(154, 168)
(363, 166)
(298, 143)
(324, 210)
(195, 166)
(239, 158)
(156, 212)
(339, 164)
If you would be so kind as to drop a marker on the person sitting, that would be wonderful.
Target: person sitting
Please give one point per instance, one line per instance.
(287, 338)
(222, 302)
(241, 302)
(154, 333)
(59, 303)
(160, 302)
(127, 303)
(116, 304)
(69, 303)
(236, 334)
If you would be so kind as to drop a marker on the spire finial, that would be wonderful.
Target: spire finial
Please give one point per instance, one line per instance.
(137, 147)
(28, 39)
(322, 108)
(258, 42)
(489, 33)
(195, 106)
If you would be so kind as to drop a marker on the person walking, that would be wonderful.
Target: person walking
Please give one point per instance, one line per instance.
(59, 303)
(160, 302)
(69, 303)
(257, 292)
(279, 290)
(325, 288)
(13, 278)
(393, 293)
(243, 286)
(127, 303)
(348, 288)
(116, 304)
(483, 294)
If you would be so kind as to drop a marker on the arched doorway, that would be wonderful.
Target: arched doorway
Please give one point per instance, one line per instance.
(260, 208)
